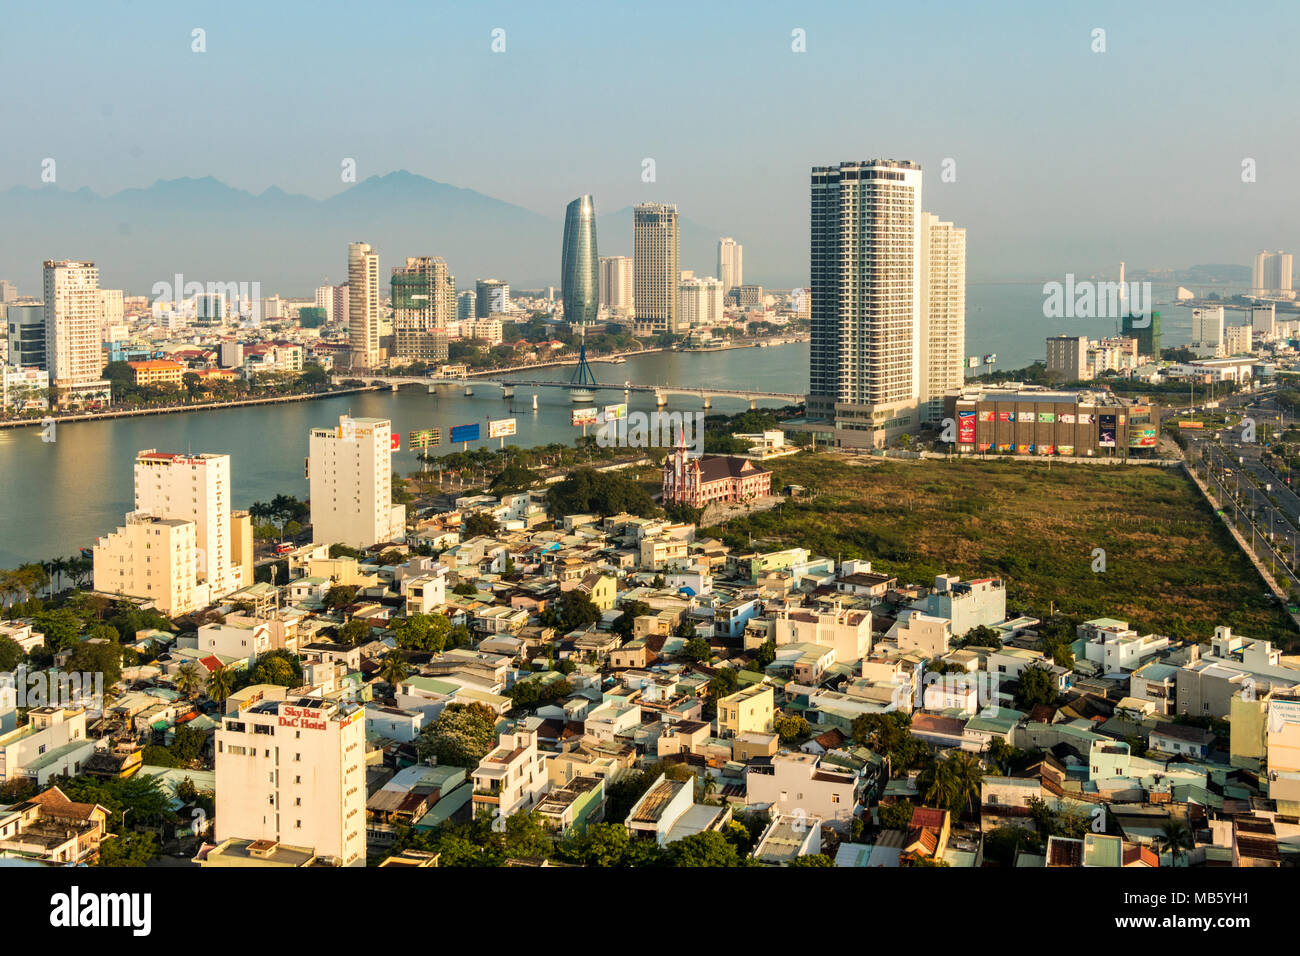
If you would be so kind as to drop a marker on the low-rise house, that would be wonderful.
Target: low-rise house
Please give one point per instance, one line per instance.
(668, 812)
(788, 837)
(804, 783)
(512, 777)
(749, 710)
(579, 801)
(52, 829)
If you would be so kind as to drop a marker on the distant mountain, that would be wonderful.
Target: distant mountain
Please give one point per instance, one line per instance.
(212, 232)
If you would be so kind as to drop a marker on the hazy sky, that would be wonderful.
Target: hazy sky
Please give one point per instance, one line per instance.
(1066, 159)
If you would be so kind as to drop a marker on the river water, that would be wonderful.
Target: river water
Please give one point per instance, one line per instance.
(59, 496)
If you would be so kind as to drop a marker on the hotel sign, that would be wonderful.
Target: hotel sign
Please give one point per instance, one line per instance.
(302, 718)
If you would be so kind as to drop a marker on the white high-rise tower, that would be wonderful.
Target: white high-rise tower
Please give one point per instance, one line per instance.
(363, 307)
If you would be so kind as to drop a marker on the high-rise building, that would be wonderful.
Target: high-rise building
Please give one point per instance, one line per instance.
(864, 372)
(465, 305)
(334, 300)
(155, 558)
(491, 296)
(616, 283)
(350, 472)
(195, 488)
(730, 263)
(943, 313)
(1067, 357)
(1271, 273)
(291, 770)
(112, 303)
(579, 275)
(1263, 319)
(655, 269)
(363, 305)
(26, 336)
(424, 302)
(74, 312)
(1207, 331)
(1146, 329)
(699, 302)
(8, 291)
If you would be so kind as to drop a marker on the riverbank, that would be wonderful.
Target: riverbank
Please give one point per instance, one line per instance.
(174, 409)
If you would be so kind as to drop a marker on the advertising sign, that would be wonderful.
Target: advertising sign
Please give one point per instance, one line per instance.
(1047, 416)
(501, 428)
(965, 427)
(991, 358)
(425, 438)
(973, 362)
(584, 416)
(984, 446)
(1106, 431)
(395, 441)
(1067, 419)
(1142, 436)
(1006, 416)
(1046, 449)
(1065, 449)
(1086, 418)
(986, 416)
(615, 412)
(464, 433)
(1024, 449)
(1191, 424)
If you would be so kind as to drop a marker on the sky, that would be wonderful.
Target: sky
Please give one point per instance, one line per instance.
(1066, 159)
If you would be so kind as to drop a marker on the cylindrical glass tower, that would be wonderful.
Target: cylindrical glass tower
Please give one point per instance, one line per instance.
(579, 275)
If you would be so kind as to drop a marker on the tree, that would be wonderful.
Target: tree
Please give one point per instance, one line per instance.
(460, 737)
(723, 684)
(1174, 839)
(422, 632)
(339, 596)
(394, 669)
(11, 654)
(697, 649)
(983, 636)
(465, 589)
(765, 654)
(1037, 685)
(220, 684)
(353, 632)
(896, 816)
(598, 844)
(479, 523)
(812, 859)
(188, 680)
(513, 478)
(573, 611)
(702, 849)
(625, 624)
(188, 744)
(587, 491)
(131, 850)
(791, 727)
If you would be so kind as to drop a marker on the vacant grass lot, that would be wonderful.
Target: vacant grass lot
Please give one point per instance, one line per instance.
(1170, 566)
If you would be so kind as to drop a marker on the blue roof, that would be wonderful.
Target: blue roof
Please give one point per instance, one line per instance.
(688, 591)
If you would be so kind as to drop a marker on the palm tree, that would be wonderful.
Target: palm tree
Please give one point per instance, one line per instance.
(968, 779)
(1175, 839)
(187, 679)
(394, 669)
(220, 683)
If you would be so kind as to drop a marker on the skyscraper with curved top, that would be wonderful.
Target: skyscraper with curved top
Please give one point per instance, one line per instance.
(579, 271)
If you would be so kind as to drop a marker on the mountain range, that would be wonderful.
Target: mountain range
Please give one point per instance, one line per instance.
(211, 232)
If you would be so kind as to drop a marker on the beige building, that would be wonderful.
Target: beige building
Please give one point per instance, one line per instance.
(616, 283)
(847, 631)
(197, 488)
(923, 634)
(746, 711)
(293, 771)
(655, 272)
(363, 305)
(943, 312)
(512, 777)
(731, 263)
(74, 316)
(154, 558)
(351, 477)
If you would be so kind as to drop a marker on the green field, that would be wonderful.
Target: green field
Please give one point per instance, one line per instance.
(1170, 565)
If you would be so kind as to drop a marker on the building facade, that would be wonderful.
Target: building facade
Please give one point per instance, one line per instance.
(73, 318)
(699, 482)
(363, 305)
(579, 272)
(655, 270)
(351, 477)
(616, 283)
(424, 302)
(731, 271)
(943, 313)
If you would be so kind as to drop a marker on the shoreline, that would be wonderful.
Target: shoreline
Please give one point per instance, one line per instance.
(176, 409)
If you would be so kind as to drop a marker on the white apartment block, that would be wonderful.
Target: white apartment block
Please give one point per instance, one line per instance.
(943, 312)
(699, 302)
(194, 488)
(52, 742)
(154, 558)
(512, 777)
(655, 272)
(731, 263)
(363, 305)
(351, 477)
(293, 771)
(616, 283)
(1271, 273)
(1263, 321)
(1238, 340)
(804, 784)
(74, 316)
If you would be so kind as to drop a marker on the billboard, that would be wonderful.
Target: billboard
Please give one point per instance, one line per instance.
(464, 433)
(965, 427)
(1065, 449)
(584, 416)
(1067, 419)
(425, 438)
(615, 412)
(1191, 424)
(986, 416)
(1047, 416)
(502, 428)
(1142, 436)
(1006, 416)
(1106, 431)
(395, 441)
(991, 358)
(973, 362)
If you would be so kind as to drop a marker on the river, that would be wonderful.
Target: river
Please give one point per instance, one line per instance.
(59, 496)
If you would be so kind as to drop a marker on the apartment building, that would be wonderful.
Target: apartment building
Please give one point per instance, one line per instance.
(807, 784)
(749, 710)
(512, 777)
(52, 743)
(350, 471)
(154, 558)
(848, 632)
(293, 771)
